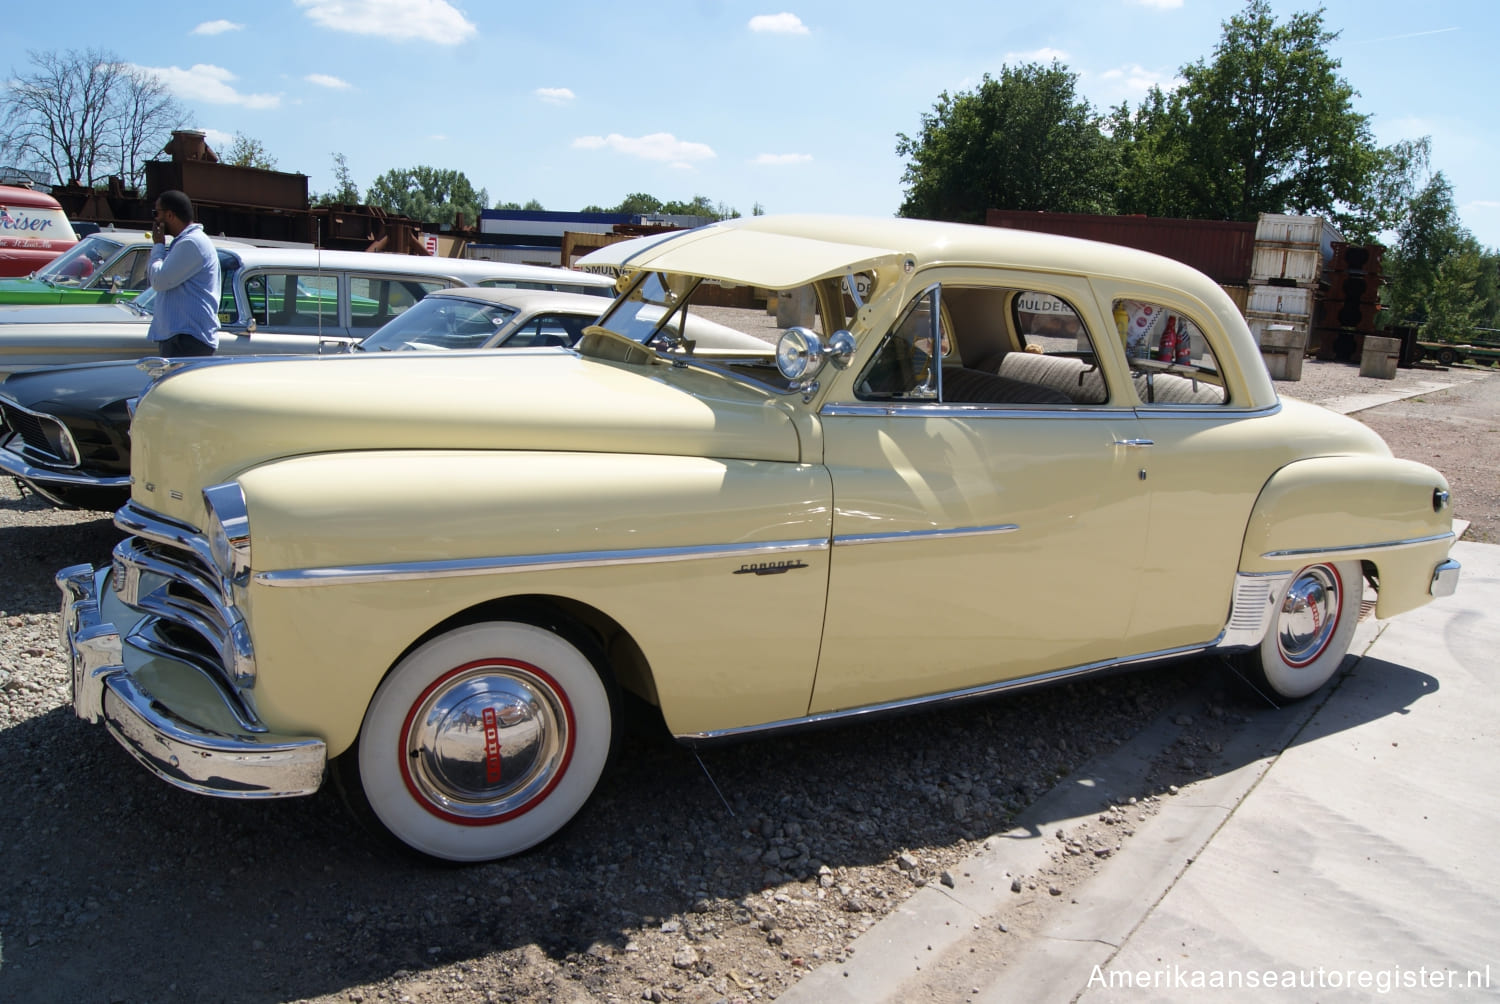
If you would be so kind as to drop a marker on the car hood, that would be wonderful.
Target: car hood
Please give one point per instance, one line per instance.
(76, 389)
(47, 315)
(206, 424)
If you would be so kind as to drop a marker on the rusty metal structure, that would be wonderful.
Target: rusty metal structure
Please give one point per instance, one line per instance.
(251, 204)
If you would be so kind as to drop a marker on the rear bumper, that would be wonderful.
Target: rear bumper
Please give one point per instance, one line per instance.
(1445, 578)
(240, 764)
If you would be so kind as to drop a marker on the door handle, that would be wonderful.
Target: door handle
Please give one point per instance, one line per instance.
(1134, 442)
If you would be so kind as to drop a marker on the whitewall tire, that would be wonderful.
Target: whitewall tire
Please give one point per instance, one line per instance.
(1311, 631)
(484, 741)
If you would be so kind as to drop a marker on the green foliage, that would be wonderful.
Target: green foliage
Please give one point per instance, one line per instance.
(1429, 234)
(1023, 141)
(1453, 308)
(428, 194)
(248, 152)
(1268, 125)
(345, 192)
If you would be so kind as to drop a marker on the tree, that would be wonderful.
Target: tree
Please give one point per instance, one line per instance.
(531, 206)
(1452, 306)
(141, 113)
(345, 192)
(1268, 125)
(1024, 141)
(59, 114)
(638, 203)
(1428, 236)
(429, 194)
(248, 152)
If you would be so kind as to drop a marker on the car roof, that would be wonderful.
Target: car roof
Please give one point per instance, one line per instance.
(468, 269)
(527, 300)
(785, 252)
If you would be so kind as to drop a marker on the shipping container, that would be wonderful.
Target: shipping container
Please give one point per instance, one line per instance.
(1221, 249)
(1308, 231)
(1295, 301)
(1284, 265)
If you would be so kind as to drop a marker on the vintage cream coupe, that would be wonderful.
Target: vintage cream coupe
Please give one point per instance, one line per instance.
(974, 460)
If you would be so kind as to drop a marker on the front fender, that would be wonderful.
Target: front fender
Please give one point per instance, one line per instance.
(355, 556)
(1393, 513)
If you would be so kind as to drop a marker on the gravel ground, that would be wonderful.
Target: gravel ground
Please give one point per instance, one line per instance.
(720, 879)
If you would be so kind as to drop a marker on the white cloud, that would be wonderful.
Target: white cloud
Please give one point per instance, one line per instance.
(324, 80)
(399, 20)
(778, 24)
(782, 159)
(554, 95)
(662, 146)
(1159, 4)
(1137, 80)
(209, 84)
(217, 27)
(218, 140)
(1044, 56)
(1482, 204)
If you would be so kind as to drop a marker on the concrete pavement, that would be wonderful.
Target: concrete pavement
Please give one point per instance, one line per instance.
(1340, 848)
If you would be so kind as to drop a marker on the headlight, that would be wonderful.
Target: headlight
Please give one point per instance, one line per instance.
(228, 531)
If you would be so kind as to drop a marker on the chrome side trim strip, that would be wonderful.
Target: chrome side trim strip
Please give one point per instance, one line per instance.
(909, 409)
(904, 535)
(406, 571)
(968, 693)
(1389, 545)
(1163, 409)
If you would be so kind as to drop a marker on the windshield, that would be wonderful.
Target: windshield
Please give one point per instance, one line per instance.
(722, 323)
(79, 262)
(441, 322)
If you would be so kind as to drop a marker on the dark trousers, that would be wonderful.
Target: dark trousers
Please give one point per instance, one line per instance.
(184, 345)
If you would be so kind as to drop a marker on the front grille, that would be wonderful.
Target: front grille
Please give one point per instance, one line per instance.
(44, 438)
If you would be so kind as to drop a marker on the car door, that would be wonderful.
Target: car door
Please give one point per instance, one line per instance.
(294, 310)
(981, 540)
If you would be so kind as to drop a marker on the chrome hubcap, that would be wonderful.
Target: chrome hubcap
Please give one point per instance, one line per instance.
(1309, 614)
(487, 741)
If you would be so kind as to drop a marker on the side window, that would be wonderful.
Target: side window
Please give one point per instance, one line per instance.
(291, 300)
(129, 269)
(1170, 360)
(549, 329)
(902, 368)
(997, 346)
(374, 301)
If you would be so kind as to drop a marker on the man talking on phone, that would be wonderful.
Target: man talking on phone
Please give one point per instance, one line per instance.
(185, 317)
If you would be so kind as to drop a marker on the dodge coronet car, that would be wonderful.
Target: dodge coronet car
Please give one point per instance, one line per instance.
(975, 460)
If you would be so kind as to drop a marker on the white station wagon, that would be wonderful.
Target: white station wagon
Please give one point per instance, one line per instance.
(274, 300)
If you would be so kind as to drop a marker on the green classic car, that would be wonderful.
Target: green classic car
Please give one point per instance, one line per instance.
(974, 460)
(102, 268)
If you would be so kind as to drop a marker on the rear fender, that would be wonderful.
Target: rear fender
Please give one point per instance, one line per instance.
(1394, 514)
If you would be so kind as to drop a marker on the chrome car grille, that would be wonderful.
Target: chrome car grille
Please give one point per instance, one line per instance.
(41, 438)
(164, 572)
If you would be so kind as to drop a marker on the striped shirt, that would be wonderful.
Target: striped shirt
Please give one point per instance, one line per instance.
(186, 279)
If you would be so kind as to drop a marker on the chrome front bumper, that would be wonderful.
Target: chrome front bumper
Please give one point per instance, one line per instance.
(190, 756)
(16, 465)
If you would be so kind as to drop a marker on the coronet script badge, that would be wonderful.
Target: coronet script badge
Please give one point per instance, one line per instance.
(769, 567)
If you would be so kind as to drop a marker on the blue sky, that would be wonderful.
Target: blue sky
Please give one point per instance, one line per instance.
(792, 104)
